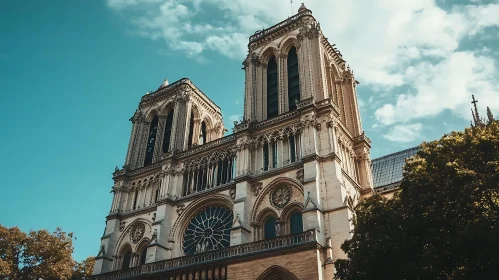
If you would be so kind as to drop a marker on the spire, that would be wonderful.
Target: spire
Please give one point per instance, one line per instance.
(164, 84)
(489, 115)
(302, 8)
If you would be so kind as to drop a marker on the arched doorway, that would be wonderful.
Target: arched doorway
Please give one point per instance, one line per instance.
(277, 273)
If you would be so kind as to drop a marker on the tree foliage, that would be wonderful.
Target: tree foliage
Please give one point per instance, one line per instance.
(444, 222)
(39, 255)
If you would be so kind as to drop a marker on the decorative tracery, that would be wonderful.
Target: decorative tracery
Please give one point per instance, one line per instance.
(208, 230)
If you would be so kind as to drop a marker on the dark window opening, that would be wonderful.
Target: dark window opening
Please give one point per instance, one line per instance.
(296, 223)
(203, 133)
(153, 128)
(269, 228)
(292, 148)
(272, 89)
(156, 196)
(293, 79)
(168, 131)
(191, 129)
(143, 255)
(135, 200)
(266, 156)
(126, 260)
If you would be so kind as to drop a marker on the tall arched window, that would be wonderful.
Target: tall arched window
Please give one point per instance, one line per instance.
(272, 89)
(293, 79)
(269, 228)
(203, 133)
(126, 260)
(168, 131)
(191, 130)
(153, 128)
(143, 255)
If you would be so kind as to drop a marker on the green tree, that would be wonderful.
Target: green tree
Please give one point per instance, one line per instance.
(39, 254)
(83, 269)
(444, 222)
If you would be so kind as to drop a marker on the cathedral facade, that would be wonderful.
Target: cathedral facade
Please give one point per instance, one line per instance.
(272, 200)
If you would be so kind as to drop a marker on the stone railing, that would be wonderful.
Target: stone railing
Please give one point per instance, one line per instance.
(208, 145)
(272, 29)
(270, 245)
(172, 85)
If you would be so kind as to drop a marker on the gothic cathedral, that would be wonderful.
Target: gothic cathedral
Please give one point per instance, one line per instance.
(273, 200)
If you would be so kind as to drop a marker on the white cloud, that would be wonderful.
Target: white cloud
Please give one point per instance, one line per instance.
(404, 133)
(447, 85)
(406, 51)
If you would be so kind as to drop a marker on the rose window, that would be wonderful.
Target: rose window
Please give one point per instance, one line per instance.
(137, 232)
(280, 196)
(208, 230)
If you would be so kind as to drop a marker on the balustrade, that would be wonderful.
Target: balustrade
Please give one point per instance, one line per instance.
(171, 268)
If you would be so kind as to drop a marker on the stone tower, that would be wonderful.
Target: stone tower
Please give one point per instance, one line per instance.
(273, 200)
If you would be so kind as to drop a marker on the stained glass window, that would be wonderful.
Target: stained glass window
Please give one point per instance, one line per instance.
(208, 230)
(151, 141)
(168, 131)
(293, 79)
(272, 89)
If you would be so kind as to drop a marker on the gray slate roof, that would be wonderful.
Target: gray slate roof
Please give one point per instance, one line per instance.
(388, 170)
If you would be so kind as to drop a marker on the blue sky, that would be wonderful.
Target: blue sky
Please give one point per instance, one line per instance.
(72, 74)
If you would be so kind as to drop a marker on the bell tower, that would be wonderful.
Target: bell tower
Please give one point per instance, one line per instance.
(172, 119)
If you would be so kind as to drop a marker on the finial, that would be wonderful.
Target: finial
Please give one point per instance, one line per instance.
(489, 115)
(302, 8)
(164, 84)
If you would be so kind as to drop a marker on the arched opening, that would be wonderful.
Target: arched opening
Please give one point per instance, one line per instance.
(202, 135)
(272, 89)
(151, 140)
(126, 260)
(135, 197)
(143, 254)
(277, 273)
(292, 148)
(269, 228)
(293, 79)
(296, 222)
(191, 130)
(168, 131)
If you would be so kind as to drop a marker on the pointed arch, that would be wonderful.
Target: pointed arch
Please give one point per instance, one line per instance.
(141, 249)
(267, 53)
(276, 272)
(266, 189)
(287, 43)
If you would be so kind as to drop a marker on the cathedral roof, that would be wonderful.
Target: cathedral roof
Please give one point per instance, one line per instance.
(389, 169)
